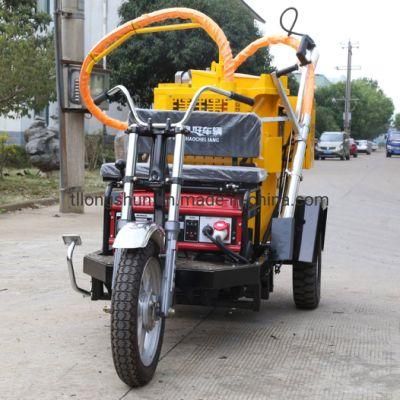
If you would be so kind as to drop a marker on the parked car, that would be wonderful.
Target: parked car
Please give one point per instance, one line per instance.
(353, 148)
(333, 144)
(393, 144)
(364, 146)
(374, 146)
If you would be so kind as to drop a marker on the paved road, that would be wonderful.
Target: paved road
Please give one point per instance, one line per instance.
(55, 344)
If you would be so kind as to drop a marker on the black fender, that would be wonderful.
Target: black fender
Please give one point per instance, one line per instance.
(310, 222)
(293, 239)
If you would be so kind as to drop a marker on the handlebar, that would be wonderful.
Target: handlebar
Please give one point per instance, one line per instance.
(242, 99)
(306, 44)
(101, 98)
(120, 88)
(288, 70)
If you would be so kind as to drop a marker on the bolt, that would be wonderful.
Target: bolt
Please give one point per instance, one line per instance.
(107, 309)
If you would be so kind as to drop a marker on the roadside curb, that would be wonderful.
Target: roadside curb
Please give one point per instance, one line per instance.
(48, 201)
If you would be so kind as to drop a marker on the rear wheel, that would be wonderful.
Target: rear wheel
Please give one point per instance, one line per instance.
(136, 329)
(307, 281)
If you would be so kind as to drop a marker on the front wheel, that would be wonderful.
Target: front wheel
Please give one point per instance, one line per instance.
(136, 328)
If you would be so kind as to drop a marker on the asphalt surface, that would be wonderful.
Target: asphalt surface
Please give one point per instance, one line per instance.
(54, 344)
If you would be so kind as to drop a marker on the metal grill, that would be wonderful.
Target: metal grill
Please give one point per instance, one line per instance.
(211, 104)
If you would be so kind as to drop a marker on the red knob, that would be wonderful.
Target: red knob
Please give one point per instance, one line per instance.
(221, 226)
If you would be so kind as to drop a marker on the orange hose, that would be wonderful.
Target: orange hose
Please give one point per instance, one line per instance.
(308, 100)
(213, 30)
(263, 42)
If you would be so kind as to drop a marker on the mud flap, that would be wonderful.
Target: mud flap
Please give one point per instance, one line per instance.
(294, 239)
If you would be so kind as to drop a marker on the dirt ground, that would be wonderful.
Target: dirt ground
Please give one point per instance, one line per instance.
(54, 344)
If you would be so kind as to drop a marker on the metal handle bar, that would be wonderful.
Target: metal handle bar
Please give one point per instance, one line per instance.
(120, 88)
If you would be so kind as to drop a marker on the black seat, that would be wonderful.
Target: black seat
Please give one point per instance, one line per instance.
(202, 173)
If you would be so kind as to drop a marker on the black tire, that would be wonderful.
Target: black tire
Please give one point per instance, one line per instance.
(388, 155)
(355, 155)
(322, 158)
(348, 157)
(124, 318)
(307, 281)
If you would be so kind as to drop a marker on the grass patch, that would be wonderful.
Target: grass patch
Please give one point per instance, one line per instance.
(27, 184)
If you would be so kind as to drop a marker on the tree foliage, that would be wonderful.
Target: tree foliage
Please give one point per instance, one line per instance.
(371, 108)
(146, 60)
(396, 121)
(27, 58)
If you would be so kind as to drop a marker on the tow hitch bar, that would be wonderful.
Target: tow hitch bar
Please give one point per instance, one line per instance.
(71, 241)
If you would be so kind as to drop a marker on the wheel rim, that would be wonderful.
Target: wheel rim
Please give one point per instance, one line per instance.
(149, 323)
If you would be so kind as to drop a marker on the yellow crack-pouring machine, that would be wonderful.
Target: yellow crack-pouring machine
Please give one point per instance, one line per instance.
(205, 209)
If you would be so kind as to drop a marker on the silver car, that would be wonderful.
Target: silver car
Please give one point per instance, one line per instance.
(333, 144)
(364, 146)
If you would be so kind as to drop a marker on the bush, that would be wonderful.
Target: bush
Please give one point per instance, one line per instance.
(19, 159)
(11, 155)
(3, 153)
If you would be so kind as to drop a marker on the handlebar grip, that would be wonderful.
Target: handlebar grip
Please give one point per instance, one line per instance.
(306, 44)
(286, 71)
(242, 99)
(100, 98)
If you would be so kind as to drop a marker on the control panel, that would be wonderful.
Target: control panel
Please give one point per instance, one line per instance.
(192, 226)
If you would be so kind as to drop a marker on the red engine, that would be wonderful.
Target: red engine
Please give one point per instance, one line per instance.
(222, 212)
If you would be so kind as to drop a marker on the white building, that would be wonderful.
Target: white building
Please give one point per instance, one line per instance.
(101, 16)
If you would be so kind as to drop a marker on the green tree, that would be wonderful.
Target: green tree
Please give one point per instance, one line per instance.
(396, 121)
(371, 110)
(27, 58)
(146, 60)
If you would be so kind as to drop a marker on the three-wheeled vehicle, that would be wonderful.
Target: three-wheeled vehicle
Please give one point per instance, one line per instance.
(204, 209)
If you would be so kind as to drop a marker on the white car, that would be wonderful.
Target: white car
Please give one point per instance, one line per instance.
(364, 146)
(333, 144)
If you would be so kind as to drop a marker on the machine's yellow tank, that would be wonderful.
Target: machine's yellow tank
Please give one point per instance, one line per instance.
(275, 134)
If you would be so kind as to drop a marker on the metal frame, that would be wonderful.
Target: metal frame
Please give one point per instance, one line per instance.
(301, 125)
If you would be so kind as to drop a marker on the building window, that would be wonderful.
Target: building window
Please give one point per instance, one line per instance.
(44, 114)
(43, 6)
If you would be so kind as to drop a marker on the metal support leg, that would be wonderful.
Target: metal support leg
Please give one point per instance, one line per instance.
(72, 241)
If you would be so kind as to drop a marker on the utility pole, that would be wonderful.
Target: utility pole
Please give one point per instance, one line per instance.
(347, 99)
(347, 115)
(69, 35)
